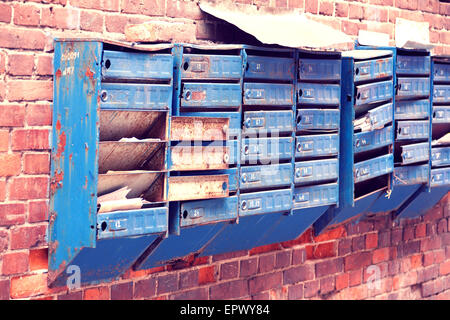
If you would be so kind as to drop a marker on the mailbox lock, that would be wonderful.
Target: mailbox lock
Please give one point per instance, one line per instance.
(298, 172)
(244, 178)
(358, 143)
(187, 95)
(246, 149)
(244, 205)
(247, 122)
(225, 129)
(226, 158)
(104, 95)
(186, 66)
(299, 147)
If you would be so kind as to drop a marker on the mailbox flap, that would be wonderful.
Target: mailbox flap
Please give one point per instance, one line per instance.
(440, 156)
(204, 211)
(413, 87)
(318, 94)
(267, 121)
(315, 196)
(254, 177)
(265, 202)
(416, 152)
(199, 66)
(135, 96)
(409, 175)
(441, 72)
(318, 119)
(440, 177)
(412, 130)
(373, 69)
(266, 149)
(370, 140)
(211, 95)
(413, 65)
(412, 109)
(132, 223)
(372, 168)
(373, 92)
(441, 114)
(121, 65)
(316, 171)
(441, 93)
(319, 69)
(317, 145)
(274, 94)
(278, 68)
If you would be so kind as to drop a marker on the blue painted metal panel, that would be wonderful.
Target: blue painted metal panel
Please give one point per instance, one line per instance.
(254, 177)
(318, 119)
(370, 140)
(417, 152)
(235, 119)
(267, 121)
(373, 92)
(316, 170)
(318, 94)
(263, 94)
(135, 96)
(244, 235)
(441, 114)
(191, 240)
(375, 167)
(232, 176)
(74, 151)
(205, 211)
(316, 145)
(233, 148)
(441, 93)
(202, 66)
(136, 66)
(410, 175)
(319, 69)
(316, 196)
(413, 65)
(423, 202)
(381, 115)
(441, 72)
(259, 67)
(108, 261)
(409, 110)
(412, 87)
(440, 177)
(373, 69)
(440, 156)
(265, 202)
(211, 95)
(407, 130)
(400, 194)
(132, 222)
(266, 150)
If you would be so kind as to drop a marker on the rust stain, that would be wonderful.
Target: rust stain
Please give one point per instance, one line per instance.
(58, 73)
(56, 181)
(198, 95)
(58, 125)
(89, 73)
(61, 144)
(85, 182)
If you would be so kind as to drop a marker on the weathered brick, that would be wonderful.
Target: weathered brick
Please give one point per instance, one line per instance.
(408, 248)
(122, 291)
(323, 250)
(25, 188)
(12, 115)
(427, 274)
(36, 163)
(4, 240)
(229, 255)
(15, 263)
(341, 9)
(98, 293)
(188, 279)
(248, 267)
(295, 292)
(428, 244)
(265, 282)
(312, 6)
(229, 270)
(44, 65)
(104, 5)
(355, 277)
(115, 23)
(167, 283)
(30, 139)
(264, 249)
(358, 243)
(282, 259)
(22, 38)
(20, 64)
(229, 290)
(76, 295)
(91, 21)
(342, 281)
(327, 285)
(28, 285)
(329, 267)
(29, 90)
(326, 8)
(311, 288)
(195, 294)
(5, 12)
(298, 274)
(266, 263)
(38, 259)
(356, 11)
(345, 247)
(26, 15)
(146, 7)
(2, 189)
(25, 237)
(145, 288)
(407, 4)
(10, 164)
(64, 18)
(4, 284)
(12, 213)
(207, 275)
(4, 139)
(38, 211)
(444, 268)
(184, 9)
(380, 255)
(357, 261)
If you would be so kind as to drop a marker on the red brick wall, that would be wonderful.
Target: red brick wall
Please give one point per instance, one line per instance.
(413, 257)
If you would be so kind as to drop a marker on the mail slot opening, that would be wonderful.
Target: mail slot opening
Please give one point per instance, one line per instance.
(300, 92)
(357, 71)
(440, 134)
(367, 187)
(185, 214)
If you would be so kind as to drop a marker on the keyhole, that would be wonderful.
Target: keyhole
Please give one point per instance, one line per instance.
(299, 119)
(185, 214)
(107, 64)
(300, 92)
(186, 66)
(104, 225)
(357, 71)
